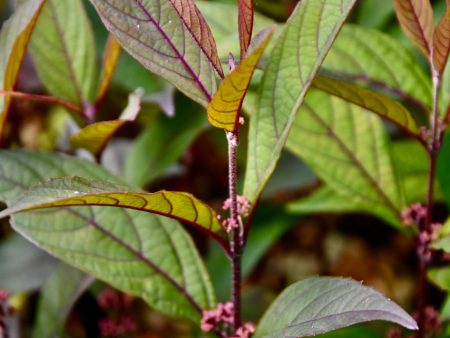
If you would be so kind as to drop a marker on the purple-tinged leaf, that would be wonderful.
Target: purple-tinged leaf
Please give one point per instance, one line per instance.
(441, 41)
(416, 19)
(165, 42)
(245, 21)
(319, 305)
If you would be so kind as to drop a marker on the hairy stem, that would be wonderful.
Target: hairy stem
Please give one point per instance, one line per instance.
(236, 242)
(423, 249)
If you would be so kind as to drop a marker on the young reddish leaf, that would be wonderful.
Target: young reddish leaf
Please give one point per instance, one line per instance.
(199, 28)
(14, 38)
(370, 100)
(246, 14)
(77, 191)
(171, 43)
(110, 60)
(416, 19)
(224, 109)
(441, 41)
(95, 136)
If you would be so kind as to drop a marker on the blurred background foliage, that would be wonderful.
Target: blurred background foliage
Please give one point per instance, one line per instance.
(170, 146)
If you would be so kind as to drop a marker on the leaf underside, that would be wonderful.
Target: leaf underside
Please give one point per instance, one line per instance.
(318, 305)
(245, 22)
(441, 41)
(142, 254)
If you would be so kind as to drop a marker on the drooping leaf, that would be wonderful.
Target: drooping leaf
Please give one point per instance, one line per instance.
(95, 136)
(163, 142)
(227, 34)
(347, 148)
(377, 59)
(63, 50)
(416, 20)
(441, 41)
(110, 59)
(164, 41)
(77, 191)
(113, 244)
(225, 107)
(245, 22)
(24, 266)
(14, 37)
(371, 101)
(293, 64)
(59, 294)
(319, 305)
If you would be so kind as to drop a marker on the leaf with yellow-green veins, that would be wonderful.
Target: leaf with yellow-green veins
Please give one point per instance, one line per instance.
(245, 23)
(370, 100)
(295, 60)
(348, 148)
(441, 41)
(96, 136)
(416, 20)
(170, 40)
(145, 255)
(63, 50)
(14, 38)
(110, 60)
(225, 107)
(76, 191)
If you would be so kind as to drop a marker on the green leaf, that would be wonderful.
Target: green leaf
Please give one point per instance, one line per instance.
(59, 294)
(225, 107)
(416, 20)
(441, 276)
(226, 34)
(165, 42)
(14, 38)
(376, 58)
(308, 36)
(163, 142)
(370, 100)
(63, 50)
(443, 167)
(348, 148)
(113, 244)
(319, 305)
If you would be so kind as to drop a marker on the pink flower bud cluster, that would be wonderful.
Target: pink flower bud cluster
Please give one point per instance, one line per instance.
(243, 205)
(414, 214)
(5, 311)
(245, 331)
(118, 305)
(211, 319)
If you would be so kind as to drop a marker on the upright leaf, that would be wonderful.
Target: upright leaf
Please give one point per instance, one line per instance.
(441, 41)
(416, 19)
(245, 22)
(14, 37)
(166, 40)
(319, 305)
(372, 101)
(113, 244)
(294, 62)
(377, 59)
(225, 107)
(63, 49)
(348, 148)
(110, 59)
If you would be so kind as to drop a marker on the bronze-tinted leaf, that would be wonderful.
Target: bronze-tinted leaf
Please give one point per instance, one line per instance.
(246, 14)
(416, 19)
(441, 41)
(110, 60)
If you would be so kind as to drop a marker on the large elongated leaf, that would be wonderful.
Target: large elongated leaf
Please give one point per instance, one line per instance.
(416, 19)
(142, 254)
(319, 305)
(63, 49)
(14, 38)
(371, 56)
(348, 148)
(245, 21)
(441, 41)
(225, 107)
(294, 62)
(372, 101)
(164, 41)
